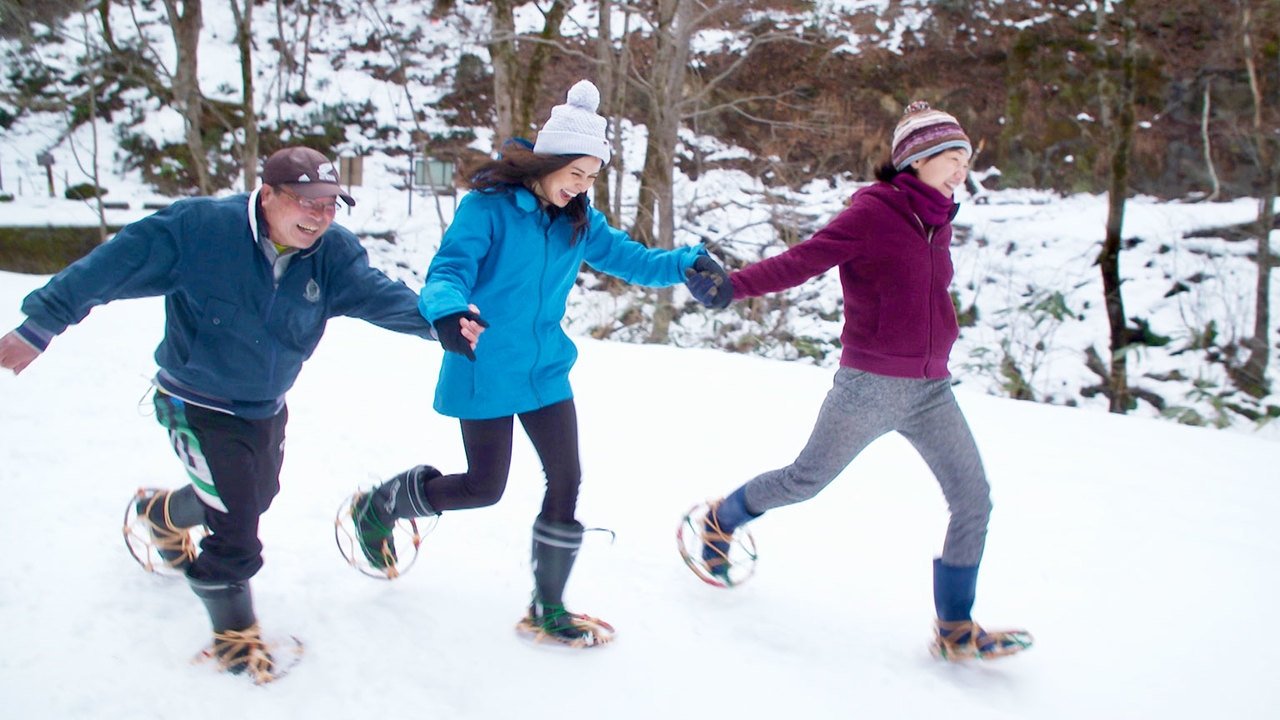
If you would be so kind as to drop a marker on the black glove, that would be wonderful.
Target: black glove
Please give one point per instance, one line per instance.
(709, 283)
(449, 330)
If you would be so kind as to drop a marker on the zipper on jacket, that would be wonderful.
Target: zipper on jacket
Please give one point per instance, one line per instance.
(928, 297)
(271, 304)
(537, 340)
(928, 344)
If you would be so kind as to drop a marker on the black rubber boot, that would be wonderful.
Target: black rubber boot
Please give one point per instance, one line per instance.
(375, 512)
(555, 548)
(237, 639)
(169, 514)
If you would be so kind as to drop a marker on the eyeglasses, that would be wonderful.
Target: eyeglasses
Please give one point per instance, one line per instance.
(326, 207)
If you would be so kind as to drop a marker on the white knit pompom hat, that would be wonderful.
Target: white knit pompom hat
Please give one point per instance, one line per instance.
(574, 128)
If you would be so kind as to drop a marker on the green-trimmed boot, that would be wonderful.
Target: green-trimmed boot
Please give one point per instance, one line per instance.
(555, 548)
(375, 513)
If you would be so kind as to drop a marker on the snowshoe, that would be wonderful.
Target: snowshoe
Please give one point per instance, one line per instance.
(244, 652)
(717, 558)
(966, 640)
(151, 537)
(555, 624)
(369, 545)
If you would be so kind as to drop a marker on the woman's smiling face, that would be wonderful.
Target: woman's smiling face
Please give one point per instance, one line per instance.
(945, 171)
(570, 181)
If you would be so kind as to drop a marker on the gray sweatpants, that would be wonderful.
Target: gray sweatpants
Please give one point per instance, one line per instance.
(861, 407)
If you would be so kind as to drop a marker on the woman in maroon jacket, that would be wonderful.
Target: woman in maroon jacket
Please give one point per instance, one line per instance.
(892, 245)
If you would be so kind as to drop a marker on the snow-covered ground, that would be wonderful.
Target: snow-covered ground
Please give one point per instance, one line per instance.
(1141, 554)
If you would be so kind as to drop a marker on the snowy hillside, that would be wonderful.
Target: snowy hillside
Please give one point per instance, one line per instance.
(1025, 272)
(1141, 554)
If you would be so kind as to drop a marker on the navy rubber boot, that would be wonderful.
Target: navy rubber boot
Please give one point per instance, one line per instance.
(718, 528)
(958, 637)
(954, 590)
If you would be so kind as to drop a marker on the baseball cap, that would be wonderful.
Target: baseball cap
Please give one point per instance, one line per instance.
(305, 172)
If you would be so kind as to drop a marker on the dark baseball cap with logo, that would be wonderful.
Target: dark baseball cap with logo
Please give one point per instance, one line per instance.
(305, 172)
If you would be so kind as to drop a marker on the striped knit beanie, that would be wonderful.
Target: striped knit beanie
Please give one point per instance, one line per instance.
(923, 132)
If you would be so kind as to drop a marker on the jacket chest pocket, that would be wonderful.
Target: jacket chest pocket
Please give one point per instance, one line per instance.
(300, 319)
(219, 316)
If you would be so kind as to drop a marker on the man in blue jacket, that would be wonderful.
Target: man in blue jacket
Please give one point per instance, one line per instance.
(249, 282)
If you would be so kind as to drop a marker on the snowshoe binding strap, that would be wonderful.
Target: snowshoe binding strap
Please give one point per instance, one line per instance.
(556, 624)
(152, 538)
(965, 639)
(242, 652)
(170, 541)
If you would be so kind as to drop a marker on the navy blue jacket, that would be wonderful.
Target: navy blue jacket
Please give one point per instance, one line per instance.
(235, 337)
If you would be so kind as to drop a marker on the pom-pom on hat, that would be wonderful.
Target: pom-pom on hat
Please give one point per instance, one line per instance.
(574, 128)
(305, 172)
(923, 132)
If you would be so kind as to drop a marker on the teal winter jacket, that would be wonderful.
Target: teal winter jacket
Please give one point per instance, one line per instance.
(506, 255)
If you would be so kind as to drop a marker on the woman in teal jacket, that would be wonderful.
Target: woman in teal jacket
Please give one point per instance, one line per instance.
(514, 250)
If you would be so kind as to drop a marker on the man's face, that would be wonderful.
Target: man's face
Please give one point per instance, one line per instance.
(295, 221)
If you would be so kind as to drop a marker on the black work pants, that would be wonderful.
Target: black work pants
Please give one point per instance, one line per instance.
(234, 464)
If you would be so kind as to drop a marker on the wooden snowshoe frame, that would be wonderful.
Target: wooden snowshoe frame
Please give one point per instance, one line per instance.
(145, 547)
(692, 536)
(407, 533)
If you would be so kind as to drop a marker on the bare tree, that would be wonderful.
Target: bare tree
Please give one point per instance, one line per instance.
(611, 62)
(1206, 111)
(244, 41)
(1119, 102)
(186, 19)
(91, 70)
(1251, 377)
(672, 94)
(518, 66)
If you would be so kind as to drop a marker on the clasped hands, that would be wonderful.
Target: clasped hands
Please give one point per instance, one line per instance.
(459, 332)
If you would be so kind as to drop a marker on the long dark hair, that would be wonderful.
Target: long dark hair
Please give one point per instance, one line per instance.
(887, 172)
(519, 166)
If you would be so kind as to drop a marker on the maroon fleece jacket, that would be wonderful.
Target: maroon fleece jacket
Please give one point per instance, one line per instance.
(895, 269)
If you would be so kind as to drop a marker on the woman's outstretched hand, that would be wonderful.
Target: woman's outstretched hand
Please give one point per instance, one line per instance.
(709, 283)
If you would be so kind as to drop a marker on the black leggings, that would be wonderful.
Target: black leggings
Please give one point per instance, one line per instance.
(554, 433)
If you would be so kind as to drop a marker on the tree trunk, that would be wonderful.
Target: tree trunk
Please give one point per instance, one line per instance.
(502, 55)
(244, 41)
(531, 89)
(1109, 258)
(1251, 377)
(655, 217)
(517, 81)
(605, 81)
(1214, 184)
(185, 17)
(94, 58)
(301, 95)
